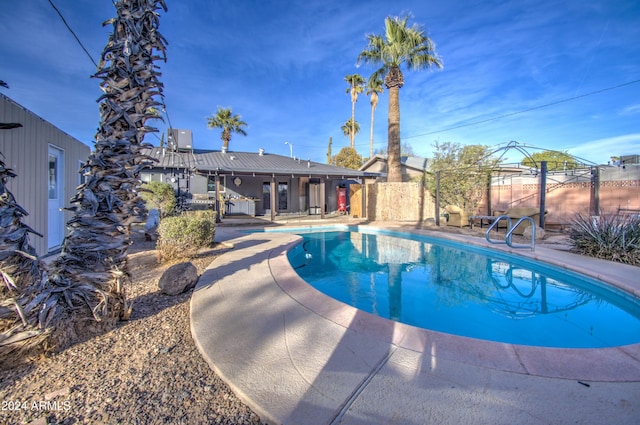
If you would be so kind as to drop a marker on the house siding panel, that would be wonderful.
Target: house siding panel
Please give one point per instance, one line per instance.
(25, 150)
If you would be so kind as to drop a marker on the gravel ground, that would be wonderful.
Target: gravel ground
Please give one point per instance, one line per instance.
(146, 371)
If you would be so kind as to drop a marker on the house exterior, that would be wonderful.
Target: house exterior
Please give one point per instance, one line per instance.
(46, 160)
(254, 183)
(413, 167)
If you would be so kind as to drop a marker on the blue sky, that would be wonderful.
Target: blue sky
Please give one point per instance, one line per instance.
(281, 66)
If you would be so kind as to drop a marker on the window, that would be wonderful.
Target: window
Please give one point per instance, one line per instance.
(81, 177)
(53, 177)
(266, 195)
(282, 195)
(211, 183)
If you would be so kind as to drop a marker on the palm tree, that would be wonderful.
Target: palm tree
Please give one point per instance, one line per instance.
(399, 45)
(228, 122)
(90, 276)
(350, 128)
(356, 86)
(374, 87)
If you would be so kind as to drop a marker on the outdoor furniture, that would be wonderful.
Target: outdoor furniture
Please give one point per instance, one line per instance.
(456, 216)
(482, 218)
(517, 213)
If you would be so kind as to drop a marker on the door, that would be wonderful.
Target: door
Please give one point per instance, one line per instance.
(315, 203)
(283, 196)
(266, 198)
(55, 225)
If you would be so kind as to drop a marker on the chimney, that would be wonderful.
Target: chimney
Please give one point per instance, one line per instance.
(261, 152)
(223, 149)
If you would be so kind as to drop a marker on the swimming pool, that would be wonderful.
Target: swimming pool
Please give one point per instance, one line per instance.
(465, 290)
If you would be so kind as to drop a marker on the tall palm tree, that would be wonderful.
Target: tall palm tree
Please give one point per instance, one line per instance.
(228, 122)
(356, 86)
(374, 87)
(399, 45)
(92, 269)
(350, 128)
(90, 276)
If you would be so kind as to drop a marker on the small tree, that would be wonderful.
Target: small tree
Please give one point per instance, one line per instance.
(556, 160)
(348, 158)
(159, 196)
(464, 174)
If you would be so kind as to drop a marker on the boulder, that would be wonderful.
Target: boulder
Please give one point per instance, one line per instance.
(178, 278)
(540, 234)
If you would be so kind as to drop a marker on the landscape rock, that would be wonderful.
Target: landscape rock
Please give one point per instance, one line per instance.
(540, 233)
(121, 376)
(178, 278)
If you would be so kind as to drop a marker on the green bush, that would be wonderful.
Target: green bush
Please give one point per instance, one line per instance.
(159, 196)
(610, 237)
(184, 235)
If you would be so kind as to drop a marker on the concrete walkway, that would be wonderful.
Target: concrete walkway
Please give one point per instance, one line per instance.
(296, 356)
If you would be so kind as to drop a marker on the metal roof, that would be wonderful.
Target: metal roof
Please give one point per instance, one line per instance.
(248, 163)
(416, 162)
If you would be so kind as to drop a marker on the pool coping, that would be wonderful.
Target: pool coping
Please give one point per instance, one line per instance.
(295, 355)
(614, 364)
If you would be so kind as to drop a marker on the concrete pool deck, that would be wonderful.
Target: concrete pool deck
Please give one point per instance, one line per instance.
(296, 356)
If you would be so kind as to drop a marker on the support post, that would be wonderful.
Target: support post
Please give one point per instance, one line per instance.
(363, 193)
(322, 197)
(489, 187)
(273, 198)
(543, 191)
(437, 198)
(595, 191)
(217, 201)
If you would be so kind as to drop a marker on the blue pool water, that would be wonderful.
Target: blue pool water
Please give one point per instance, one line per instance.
(464, 290)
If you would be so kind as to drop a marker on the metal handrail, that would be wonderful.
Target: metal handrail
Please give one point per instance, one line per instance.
(507, 238)
(510, 230)
(494, 224)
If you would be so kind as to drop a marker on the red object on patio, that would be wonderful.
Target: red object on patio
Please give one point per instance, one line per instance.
(342, 199)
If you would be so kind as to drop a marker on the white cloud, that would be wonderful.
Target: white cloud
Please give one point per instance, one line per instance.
(600, 150)
(631, 110)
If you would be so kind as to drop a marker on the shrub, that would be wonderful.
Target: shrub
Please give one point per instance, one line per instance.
(184, 235)
(159, 196)
(610, 237)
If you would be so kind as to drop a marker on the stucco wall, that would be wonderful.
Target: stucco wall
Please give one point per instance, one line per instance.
(406, 202)
(570, 193)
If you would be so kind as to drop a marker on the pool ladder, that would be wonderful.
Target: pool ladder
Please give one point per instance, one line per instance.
(507, 238)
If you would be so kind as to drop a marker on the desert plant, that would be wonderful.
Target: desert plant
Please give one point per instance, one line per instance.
(159, 196)
(464, 174)
(614, 237)
(184, 235)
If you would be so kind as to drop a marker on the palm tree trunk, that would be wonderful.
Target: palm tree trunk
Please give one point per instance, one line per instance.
(353, 121)
(373, 111)
(394, 172)
(92, 268)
